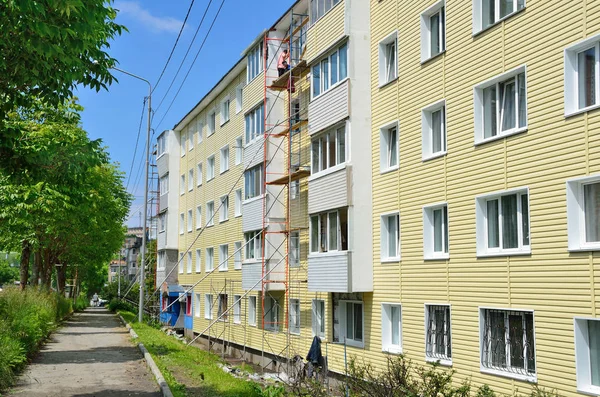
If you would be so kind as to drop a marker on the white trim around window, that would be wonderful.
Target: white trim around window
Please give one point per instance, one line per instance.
(435, 232)
(389, 147)
(239, 98)
(355, 334)
(224, 159)
(388, 59)
(587, 355)
(434, 130)
(500, 106)
(502, 223)
(438, 333)
(391, 328)
(583, 205)
(487, 13)
(433, 31)
(390, 237)
(225, 106)
(581, 71)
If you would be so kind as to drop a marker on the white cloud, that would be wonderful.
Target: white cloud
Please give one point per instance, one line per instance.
(155, 23)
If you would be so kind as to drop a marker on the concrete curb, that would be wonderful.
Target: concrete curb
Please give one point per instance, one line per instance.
(162, 383)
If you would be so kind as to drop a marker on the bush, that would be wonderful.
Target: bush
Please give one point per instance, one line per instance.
(81, 303)
(115, 305)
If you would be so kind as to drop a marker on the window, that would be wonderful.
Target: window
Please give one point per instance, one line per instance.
(198, 217)
(239, 98)
(237, 309)
(182, 142)
(198, 260)
(200, 124)
(190, 221)
(390, 237)
(191, 180)
(503, 223)
(162, 222)
(252, 310)
(161, 145)
(223, 257)
(238, 202)
(225, 111)
(294, 313)
(237, 256)
(222, 312)
(330, 71)
(582, 76)
(435, 231)
(210, 259)
(164, 184)
(489, 12)
(295, 190)
(388, 62)
(188, 304)
(318, 8)
(182, 185)
(210, 168)
(224, 159)
(329, 231)
(180, 263)
(253, 182)
(351, 325)
(388, 155)
(224, 212)
(161, 262)
(318, 318)
(583, 213)
(391, 328)
(434, 130)
(438, 338)
(210, 213)
(587, 355)
(197, 305)
(212, 119)
(238, 151)
(199, 176)
(191, 137)
(208, 305)
(294, 256)
(507, 342)
(255, 123)
(255, 62)
(189, 262)
(271, 314)
(329, 150)
(433, 31)
(181, 223)
(501, 106)
(253, 244)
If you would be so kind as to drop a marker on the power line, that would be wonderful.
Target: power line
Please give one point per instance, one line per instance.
(193, 62)
(137, 140)
(174, 46)
(185, 56)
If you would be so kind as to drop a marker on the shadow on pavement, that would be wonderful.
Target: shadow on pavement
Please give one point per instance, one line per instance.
(105, 354)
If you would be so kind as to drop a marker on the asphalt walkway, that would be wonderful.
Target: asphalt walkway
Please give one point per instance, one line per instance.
(91, 355)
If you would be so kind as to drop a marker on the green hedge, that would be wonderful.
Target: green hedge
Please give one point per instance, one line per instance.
(26, 319)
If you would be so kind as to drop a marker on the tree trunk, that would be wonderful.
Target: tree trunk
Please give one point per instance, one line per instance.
(25, 253)
(74, 287)
(49, 268)
(37, 267)
(61, 278)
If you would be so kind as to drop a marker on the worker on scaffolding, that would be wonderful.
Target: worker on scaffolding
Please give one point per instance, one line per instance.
(282, 62)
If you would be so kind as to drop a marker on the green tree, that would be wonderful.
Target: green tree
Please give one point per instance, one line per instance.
(8, 273)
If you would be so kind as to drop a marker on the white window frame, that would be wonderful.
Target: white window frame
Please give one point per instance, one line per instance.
(238, 203)
(182, 185)
(323, 167)
(190, 180)
(252, 310)
(183, 143)
(582, 356)
(200, 174)
(190, 264)
(161, 145)
(250, 181)
(255, 62)
(479, 110)
(428, 152)
(439, 7)
(181, 223)
(223, 257)
(212, 122)
(442, 358)
(429, 252)
(318, 319)
(478, 15)
(197, 304)
(239, 150)
(385, 258)
(272, 312)
(498, 371)
(180, 263)
(164, 184)
(225, 108)
(343, 323)
(209, 260)
(576, 214)
(571, 75)
(198, 260)
(254, 123)
(161, 261)
(239, 98)
(224, 163)
(210, 213)
(162, 222)
(295, 316)
(253, 245)
(294, 250)
(387, 344)
(198, 217)
(190, 221)
(190, 137)
(388, 69)
(328, 82)
(224, 210)
(317, 250)
(208, 306)
(200, 127)
(384, 147)
(210, 168)
(237, 309)
(319, 9)
(481, 224)
(237, 255)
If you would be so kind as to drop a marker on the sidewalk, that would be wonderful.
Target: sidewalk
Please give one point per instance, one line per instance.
(91, 355)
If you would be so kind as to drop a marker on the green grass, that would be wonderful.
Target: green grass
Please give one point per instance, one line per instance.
(196, 368)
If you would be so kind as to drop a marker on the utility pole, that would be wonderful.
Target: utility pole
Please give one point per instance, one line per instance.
(144, 226)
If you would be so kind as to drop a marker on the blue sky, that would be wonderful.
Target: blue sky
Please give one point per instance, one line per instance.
(114, 115)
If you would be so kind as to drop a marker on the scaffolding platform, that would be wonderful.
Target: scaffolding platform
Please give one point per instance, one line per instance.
(294, 176)
(282, 82)
(294, 127)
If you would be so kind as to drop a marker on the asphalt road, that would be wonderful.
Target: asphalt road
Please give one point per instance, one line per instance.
(91, 355)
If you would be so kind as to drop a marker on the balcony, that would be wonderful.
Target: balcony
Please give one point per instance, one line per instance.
(162, 164)
(253, 211)
(252, 275)
(326, 31)
(329, 108)
(163, 202)
(330, 272)
(330, 189)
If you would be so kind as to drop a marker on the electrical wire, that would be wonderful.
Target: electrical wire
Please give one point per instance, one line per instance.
(137, 140)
